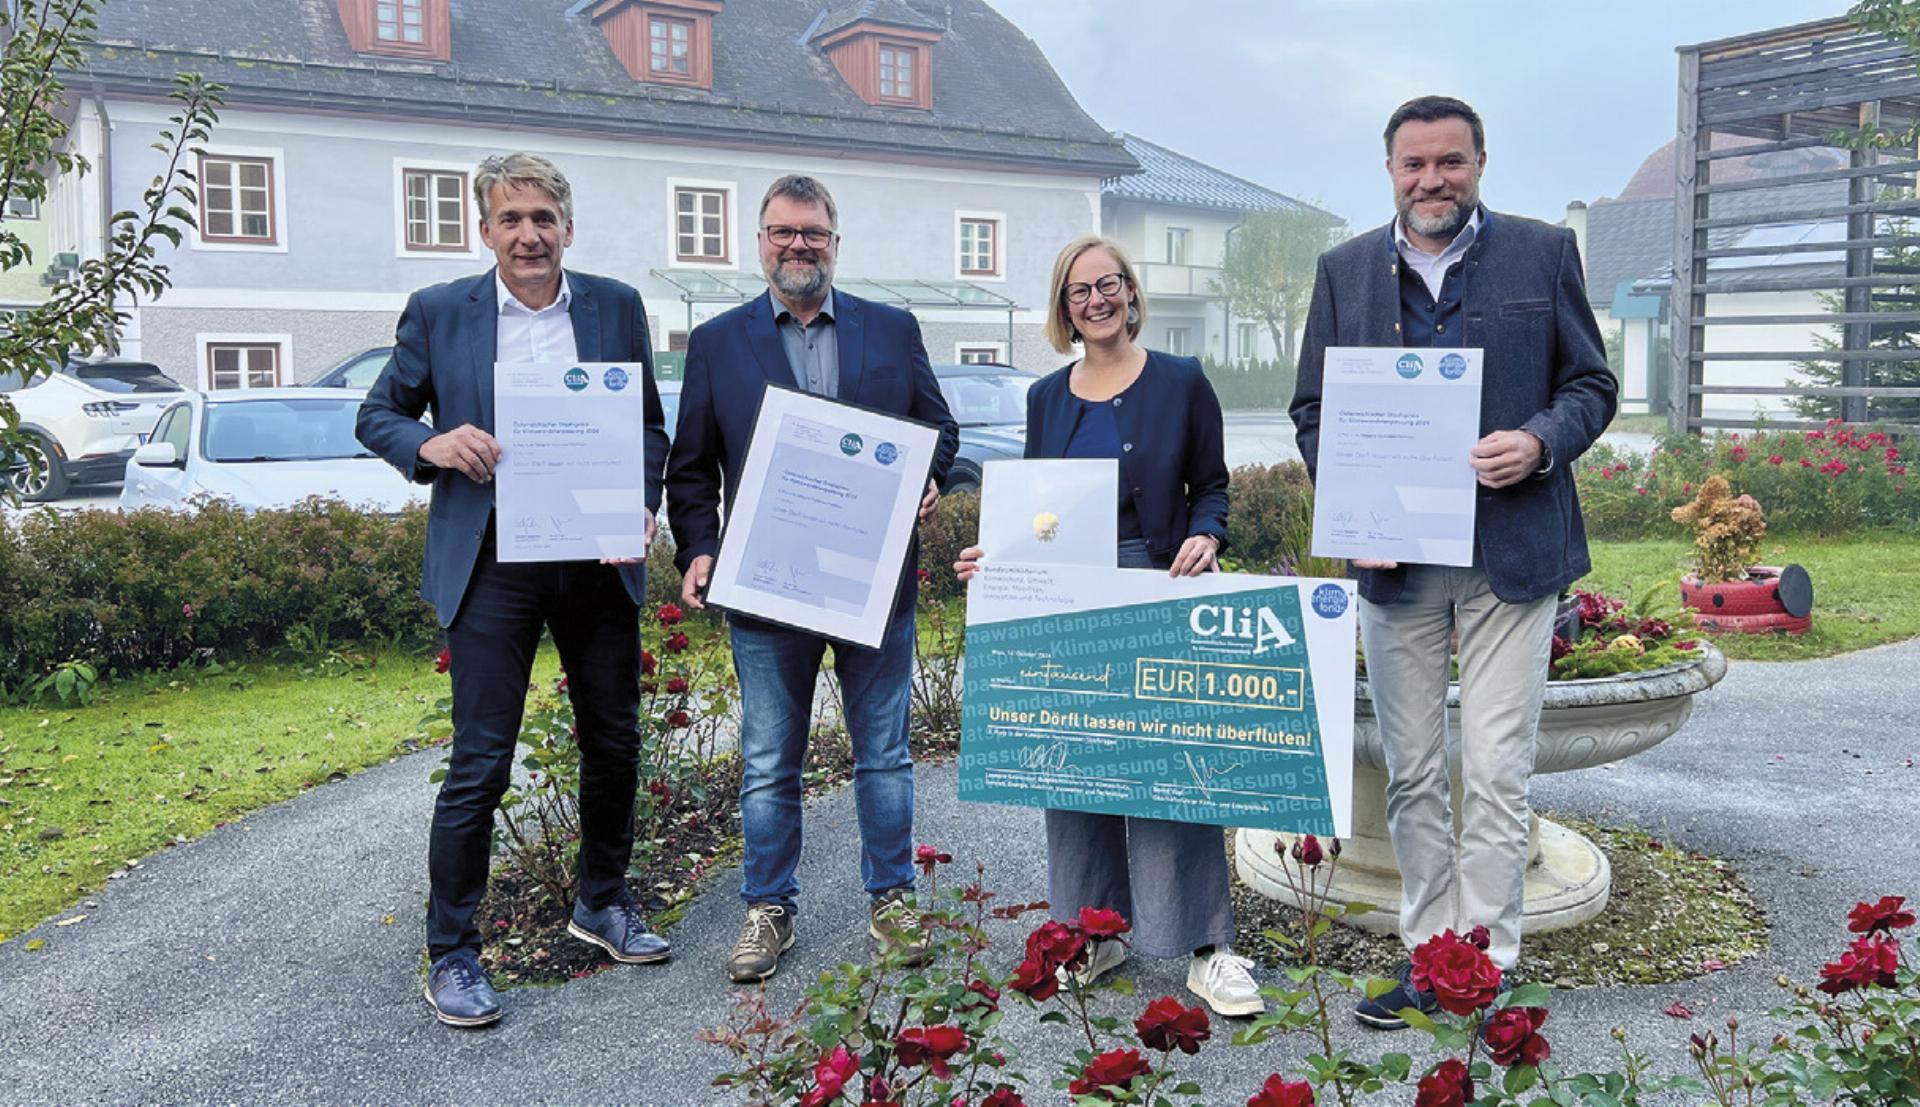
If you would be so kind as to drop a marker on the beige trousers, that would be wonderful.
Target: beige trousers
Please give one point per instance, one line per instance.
(1504, 651)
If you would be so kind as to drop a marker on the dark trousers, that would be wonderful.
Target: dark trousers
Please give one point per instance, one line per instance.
(596, 627)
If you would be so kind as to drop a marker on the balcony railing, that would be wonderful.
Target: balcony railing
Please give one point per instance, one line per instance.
(1165, 279)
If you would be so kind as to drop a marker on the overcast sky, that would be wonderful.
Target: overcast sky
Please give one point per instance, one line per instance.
(1293, 94)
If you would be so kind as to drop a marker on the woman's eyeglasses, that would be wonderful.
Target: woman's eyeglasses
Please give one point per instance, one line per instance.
(1108, 286)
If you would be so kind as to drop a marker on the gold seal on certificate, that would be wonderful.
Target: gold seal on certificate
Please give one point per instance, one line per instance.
(1046, 526)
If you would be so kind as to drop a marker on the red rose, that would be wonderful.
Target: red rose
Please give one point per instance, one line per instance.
(669, 614)
(927, 857)
(1003, 1097)
(1103, 922)
(1480, 937)
(1115, 1068)
(1057, 945)
(646, 663)
(1282, 1093)
(187, 610)
(1887, 915)
(1870, 960)
(675, 642)
(678, 719)
(1460, 976)
(1513, 1036)
(1034, 980)
(1448, 1085)
(677, 685)
(990, 993)
(1774, 459)
(440, 664)
(930, 1046)
(1738, 453)
(830, 1076)
(1168, 1025)
(1307, 851)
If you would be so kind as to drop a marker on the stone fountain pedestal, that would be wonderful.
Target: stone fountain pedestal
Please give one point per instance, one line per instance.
(1583, 723)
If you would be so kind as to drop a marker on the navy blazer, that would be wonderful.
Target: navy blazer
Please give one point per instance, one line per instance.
(1173, 459)
(1525, 307)
(443, 355)
(730, 360)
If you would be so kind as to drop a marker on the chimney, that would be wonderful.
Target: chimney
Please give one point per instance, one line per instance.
(1576, 222)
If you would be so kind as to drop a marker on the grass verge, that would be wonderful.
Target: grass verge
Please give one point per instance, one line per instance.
(86, 791)
(1863, 593)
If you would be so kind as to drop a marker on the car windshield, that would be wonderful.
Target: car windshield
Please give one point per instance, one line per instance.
(362, 373)
(985, 399)
(282, 430)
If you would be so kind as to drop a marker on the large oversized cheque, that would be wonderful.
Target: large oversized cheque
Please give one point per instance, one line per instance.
(828, 494)
(1220, 698)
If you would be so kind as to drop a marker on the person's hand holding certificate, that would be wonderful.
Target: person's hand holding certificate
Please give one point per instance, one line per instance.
(1395, 479)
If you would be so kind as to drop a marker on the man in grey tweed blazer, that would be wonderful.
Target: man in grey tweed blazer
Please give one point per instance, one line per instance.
(1449, 272)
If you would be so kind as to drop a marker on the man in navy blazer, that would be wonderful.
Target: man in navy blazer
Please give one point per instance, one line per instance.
(804, 334)
(1448, 272)
(526, 309)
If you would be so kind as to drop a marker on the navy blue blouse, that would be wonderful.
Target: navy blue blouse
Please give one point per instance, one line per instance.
(1096, 434)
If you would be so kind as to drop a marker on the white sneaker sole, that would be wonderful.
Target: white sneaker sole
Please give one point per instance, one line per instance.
(586, 935)
(459, 1020)
(1230, 1008)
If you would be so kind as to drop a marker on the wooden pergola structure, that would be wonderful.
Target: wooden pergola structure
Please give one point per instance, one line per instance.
(1794, 88)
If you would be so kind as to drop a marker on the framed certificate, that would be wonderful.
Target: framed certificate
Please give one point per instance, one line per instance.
(1066, 512)
(829, 494)
(571, 484)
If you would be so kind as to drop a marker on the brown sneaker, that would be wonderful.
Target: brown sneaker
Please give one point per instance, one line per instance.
(894, 924)
(768, 933)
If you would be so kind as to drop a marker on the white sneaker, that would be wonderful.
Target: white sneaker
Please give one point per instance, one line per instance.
(1103, 956)
(1223, 980)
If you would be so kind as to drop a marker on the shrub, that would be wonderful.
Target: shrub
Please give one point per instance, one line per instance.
(131, 591)
(1270, 522)
(953, 526)
(1252, 385)
(1727, 530)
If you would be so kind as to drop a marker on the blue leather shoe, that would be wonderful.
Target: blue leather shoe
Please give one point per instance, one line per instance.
(1383, 1012)
(460, 992)
(619, 929)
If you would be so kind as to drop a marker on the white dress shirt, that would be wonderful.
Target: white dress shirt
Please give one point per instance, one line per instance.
(523, 334)
(1433, 267)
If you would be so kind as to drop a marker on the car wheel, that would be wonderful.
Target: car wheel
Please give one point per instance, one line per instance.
(42, 477)
(963, 482)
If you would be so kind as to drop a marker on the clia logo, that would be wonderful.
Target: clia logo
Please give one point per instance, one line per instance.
(1453, 366)
(575, 379)
(850, 444)
(616, 379)
(1258, 628)
(1409, 365)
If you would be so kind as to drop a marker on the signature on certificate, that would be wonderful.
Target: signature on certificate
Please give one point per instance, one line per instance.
(526, 524)
(1205, 772)
(1046, 757)
(560, 523)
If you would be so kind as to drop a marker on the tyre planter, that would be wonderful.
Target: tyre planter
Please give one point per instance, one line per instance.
(1772, 600)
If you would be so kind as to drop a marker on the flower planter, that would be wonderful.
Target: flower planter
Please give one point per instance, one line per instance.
(1770, 600)
(1583, 723)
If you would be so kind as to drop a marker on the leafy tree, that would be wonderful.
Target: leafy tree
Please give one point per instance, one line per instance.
(1267, 275)
(39, 40)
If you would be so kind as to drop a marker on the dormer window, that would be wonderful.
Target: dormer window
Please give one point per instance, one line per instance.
(666, 42)
(398, 28)
(884, 51)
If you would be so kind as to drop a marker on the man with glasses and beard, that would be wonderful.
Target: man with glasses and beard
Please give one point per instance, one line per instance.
(1447, 272)
(805, 334)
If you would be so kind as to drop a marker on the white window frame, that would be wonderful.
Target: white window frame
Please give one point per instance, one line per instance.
(203, 344)
(1186, 341)
(1186, 246)
(475, 250)
(735, 224)
(15, 211)
(1249, 351)
(999, 221)
(960, 349)
(283, 230)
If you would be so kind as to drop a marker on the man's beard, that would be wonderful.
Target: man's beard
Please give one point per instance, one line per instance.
(801, 285)
(1443, 226)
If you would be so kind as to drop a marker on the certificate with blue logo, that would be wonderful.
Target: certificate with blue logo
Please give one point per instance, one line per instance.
(1222, 698)
(1394, 480)
(571, 484)
(828, 497)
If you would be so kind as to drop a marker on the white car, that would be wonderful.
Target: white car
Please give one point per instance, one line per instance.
(263, 448)
(83, 423)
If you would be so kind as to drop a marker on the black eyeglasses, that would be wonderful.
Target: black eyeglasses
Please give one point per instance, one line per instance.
(815, 237)
(1108, 286)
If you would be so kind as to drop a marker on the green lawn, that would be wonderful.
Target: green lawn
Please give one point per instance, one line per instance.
(85, 790)
(1863, 589)
(1625, 423)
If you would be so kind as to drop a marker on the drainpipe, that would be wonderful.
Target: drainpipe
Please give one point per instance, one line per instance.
(103, 167)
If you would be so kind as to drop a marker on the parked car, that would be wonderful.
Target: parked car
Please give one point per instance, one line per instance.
(262, 448)
(357, 372)
(990, 404)
(83, 422)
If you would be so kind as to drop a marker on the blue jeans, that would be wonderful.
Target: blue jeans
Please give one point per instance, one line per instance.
(778, 669)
